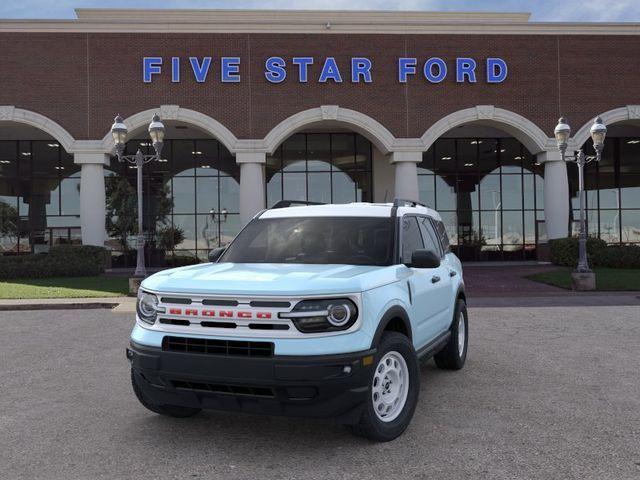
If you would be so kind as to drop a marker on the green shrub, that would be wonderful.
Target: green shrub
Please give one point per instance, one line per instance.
(565, 252)
(180, 261)
(61, 261)
(618, 256)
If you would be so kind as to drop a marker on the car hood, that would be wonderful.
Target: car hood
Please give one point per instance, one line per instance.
(271, 279)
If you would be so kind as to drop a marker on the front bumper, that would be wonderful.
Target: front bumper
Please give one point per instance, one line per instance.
(310, 386)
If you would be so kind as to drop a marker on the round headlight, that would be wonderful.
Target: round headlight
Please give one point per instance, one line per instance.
(323, 315)
(338, 314)
(147, 307)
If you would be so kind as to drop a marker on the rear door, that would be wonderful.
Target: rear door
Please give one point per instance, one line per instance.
(425, 285)
(445, 297)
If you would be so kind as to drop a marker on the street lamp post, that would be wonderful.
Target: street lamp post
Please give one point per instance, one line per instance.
(598, 132)
(156, 132)
(210, 230)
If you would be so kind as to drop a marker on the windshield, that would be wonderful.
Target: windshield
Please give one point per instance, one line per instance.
(324, 240)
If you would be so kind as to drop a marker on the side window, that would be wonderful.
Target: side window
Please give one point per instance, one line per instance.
(442, 233)
(411, 238)
(429, 236)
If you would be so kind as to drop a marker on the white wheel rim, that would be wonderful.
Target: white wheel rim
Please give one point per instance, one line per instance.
(462, 334)
(390, 386)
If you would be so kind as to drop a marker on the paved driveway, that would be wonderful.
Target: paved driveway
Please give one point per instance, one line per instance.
(507, 280)
(547, 393)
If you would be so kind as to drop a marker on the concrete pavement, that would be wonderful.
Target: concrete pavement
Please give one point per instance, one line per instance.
(549, 392)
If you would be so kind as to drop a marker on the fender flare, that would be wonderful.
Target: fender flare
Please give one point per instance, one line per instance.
(460, 294)
(394, 312)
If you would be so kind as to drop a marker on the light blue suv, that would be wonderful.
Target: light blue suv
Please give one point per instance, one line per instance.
(316, 310)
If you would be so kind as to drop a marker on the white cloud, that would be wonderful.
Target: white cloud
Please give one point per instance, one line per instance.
(589, 10)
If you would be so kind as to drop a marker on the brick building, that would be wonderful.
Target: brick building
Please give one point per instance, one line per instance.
(454, 109)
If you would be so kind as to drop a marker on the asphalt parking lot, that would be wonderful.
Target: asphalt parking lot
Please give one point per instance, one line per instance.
(550, 392)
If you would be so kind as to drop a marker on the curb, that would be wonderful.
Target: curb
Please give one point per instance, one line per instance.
(59, 306)
(567, 301)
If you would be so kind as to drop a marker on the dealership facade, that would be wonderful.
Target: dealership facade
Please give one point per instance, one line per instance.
(456, 110)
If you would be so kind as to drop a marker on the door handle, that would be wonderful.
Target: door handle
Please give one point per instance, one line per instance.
(435, 279)
(452, 273)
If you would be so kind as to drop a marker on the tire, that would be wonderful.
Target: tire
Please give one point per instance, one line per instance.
(395, 354)
(451, 357)
(167, 410)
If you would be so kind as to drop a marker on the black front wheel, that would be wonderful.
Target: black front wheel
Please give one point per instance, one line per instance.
(168, 410)
(393, 390)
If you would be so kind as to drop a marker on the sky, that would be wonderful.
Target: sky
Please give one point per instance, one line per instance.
(542, 10)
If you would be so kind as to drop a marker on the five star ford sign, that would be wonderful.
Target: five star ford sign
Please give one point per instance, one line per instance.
(361, 69)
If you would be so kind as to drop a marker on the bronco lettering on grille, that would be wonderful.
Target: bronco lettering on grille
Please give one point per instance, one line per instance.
(244, 314)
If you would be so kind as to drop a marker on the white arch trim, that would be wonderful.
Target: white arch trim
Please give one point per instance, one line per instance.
(382, 138)
(10, 113)
(177, 113)
(531, 136)
(621, 114)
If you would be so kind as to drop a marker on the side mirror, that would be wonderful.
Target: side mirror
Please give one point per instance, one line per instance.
(424, 259)
(216, 253)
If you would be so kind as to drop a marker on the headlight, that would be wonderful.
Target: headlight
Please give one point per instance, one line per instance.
(147, 307)
(330, 315)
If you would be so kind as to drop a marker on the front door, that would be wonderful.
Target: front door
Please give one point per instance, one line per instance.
(429, 287)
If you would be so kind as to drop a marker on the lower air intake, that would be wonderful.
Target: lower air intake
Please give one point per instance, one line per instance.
(208, 346)
(224, 389)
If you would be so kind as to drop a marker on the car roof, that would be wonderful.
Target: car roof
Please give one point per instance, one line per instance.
(356, 209)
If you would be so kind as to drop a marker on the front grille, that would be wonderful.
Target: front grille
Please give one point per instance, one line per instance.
(268, 326)
(217, 347)
(220, 302)
(176, 300)
(175, 321)
(218, 324)
(225, 389)
(269, 304)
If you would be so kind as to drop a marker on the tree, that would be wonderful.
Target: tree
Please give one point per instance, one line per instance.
(122, 208)
(9, 223)
(168, 237)
(8, 220)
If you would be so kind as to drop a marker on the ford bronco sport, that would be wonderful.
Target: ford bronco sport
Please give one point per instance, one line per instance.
(321, 310)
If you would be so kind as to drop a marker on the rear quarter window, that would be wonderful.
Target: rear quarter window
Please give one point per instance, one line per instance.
(431, 241)
(442, 233)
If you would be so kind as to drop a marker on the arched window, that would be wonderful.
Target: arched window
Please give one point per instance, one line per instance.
(191, 200)
(39, 196)
(320, 167)
(489, 194)
(612, 189)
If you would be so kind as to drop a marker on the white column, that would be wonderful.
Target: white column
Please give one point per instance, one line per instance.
(383, 177)
(252, 196)
(92, 197)
(406, 165)
(556, 194)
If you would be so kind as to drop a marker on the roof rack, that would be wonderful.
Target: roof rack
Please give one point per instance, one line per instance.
(289, 203)
(401, 202)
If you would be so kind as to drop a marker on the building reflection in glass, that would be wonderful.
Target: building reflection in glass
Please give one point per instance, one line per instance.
(320, 167)
(39, 196)
(612, 190)
(194, 189)
(489, 193)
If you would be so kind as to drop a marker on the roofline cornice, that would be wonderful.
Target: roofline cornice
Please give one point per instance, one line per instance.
(317, 22)
(290, 16)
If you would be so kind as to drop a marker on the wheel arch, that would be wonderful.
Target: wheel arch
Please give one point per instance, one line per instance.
(395, 319)
(461, 293)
